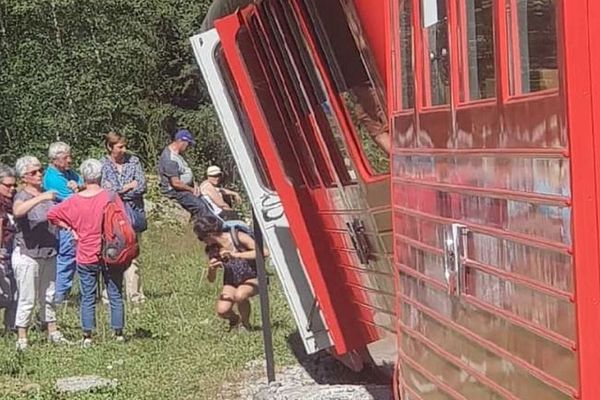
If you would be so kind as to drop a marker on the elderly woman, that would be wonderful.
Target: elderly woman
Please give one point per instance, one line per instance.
(61, 179)
(8, 286)
(238, 261)
(34, 255)
(123, 173)
(82, 214)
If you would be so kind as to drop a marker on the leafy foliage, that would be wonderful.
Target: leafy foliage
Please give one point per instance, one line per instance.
(72, 70)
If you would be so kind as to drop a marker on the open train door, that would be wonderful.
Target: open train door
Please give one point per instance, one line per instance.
(309, 129)
(265, 201)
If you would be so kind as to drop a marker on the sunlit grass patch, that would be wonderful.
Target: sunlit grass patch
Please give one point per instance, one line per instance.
(177, 347)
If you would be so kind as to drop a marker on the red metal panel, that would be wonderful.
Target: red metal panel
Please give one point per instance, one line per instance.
(228, 28)
(373, 17)
(501, 168)
(580, 48)
(355, 299)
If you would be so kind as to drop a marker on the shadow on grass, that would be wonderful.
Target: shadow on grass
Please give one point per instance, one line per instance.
(146, 334)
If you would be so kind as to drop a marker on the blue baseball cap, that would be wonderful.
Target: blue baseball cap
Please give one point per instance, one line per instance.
(186, 136)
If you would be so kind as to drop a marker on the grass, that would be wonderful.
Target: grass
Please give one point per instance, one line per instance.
(177, 347)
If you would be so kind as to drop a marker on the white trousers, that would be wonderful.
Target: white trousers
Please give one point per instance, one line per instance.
(35, 283)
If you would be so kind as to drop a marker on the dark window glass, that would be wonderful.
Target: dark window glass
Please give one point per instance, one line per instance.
(478, 35)
(290, 77)
(437, 56)
(240, 112)
(315, 94)
(352, 68)
(406, 55)
(270, 104)
(532, 35)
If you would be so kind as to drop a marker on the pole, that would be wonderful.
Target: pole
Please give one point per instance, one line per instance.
(264, 299)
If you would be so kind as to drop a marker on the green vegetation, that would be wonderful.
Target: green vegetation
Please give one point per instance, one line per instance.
(177, 348)
(72, 70)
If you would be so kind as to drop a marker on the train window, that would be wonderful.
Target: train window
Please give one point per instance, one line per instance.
(315, 94)
(270, 106)
(355, 78)
(436, 53)
(246, 127)
(291, 71)
(532, 39)
(406, 56)
(478, 77)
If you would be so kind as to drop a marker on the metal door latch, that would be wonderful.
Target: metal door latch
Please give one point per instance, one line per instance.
(357, 232)
(454, 254)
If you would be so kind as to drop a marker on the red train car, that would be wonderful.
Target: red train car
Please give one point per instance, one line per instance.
(478, 248)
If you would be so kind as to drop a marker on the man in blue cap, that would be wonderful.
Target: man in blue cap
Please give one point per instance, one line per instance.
(176, 177)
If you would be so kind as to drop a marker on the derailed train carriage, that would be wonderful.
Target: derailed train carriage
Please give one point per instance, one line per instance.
(478, 249)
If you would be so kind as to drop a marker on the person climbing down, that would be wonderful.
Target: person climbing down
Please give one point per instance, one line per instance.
(235, 253)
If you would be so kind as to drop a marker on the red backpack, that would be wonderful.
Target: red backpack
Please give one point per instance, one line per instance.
(119, 241)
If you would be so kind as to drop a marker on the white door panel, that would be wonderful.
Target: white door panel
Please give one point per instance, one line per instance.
(265, 202)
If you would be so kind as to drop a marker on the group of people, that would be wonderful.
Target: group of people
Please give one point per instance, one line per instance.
(229, 240)
(51, 227)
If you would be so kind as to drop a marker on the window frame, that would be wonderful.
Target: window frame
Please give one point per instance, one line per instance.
(509, 40)
(463, 57)
(397, 100)
(505, 41)
(358, 156)
(423, 71)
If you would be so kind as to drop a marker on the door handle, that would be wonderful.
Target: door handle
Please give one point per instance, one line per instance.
(357, 232)
(455, 247)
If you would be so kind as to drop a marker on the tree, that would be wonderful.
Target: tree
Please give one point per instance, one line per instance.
(72, 70)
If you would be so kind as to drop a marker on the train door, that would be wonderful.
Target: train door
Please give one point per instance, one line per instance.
(482, 202)
(265, 201)
(339, 219)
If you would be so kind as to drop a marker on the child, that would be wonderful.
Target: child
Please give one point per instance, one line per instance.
(238, 260)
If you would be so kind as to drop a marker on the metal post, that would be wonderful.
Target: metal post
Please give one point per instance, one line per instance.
(264, 299)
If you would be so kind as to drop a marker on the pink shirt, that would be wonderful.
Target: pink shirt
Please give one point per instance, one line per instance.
(84, 216)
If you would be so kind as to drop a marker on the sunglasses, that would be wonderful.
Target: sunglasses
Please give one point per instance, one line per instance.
(9, 185)
(34, 172)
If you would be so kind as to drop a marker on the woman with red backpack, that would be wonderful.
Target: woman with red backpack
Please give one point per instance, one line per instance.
(83, 214)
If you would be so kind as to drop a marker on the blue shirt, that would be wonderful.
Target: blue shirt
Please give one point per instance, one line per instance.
(57, 180)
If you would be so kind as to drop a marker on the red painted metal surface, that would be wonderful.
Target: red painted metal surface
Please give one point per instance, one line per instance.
(319, 196)
(518, 170)
(580, 47)
(373, 16)
(501, 167)
(228, 29)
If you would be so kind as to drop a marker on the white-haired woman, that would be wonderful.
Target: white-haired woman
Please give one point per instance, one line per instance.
(60, 178)
(82, 214)
(34, 255)
(8, 286)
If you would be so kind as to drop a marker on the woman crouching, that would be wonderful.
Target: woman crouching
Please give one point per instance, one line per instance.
(238, 260)
(82, 214)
